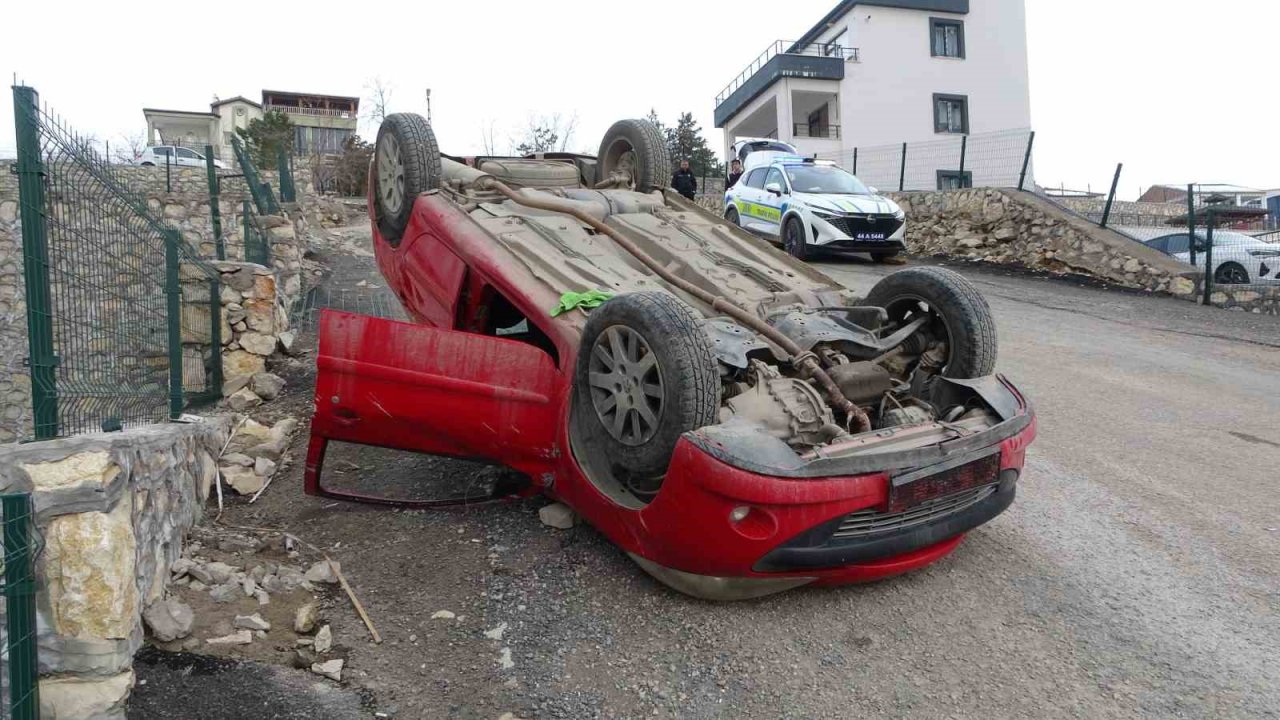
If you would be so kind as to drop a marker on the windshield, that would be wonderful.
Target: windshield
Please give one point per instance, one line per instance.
(763, 146)
(826, 179)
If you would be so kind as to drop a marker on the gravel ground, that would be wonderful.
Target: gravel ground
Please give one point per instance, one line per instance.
(1135, 576)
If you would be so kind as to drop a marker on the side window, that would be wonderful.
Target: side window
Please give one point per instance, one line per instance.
(775, 176)
(756, 178)
(185, 153)
(500, 318)
(161, 150)
(1178, 243)
(1161, 244)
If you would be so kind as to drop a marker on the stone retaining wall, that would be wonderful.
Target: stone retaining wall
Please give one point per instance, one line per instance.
(1018, 228)
(15, 382)
(113, 510)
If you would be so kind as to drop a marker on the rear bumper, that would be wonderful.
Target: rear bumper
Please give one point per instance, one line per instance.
(699, 545)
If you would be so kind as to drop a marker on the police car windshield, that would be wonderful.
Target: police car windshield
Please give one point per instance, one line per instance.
(824, 179)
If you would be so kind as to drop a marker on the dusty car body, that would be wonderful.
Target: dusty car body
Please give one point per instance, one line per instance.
(734, 420)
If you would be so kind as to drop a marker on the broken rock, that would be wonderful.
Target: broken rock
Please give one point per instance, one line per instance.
(267, 386)
(331, 669)
(243, 399)
(324, 640)
(243, 480)
(168, 619)
(236, 460)
(264, 467)
(304, 620)
(557, 515)
(240, 637)
(225, 593)
(220, 572)
(442, 615)
(321, 572)
(252, 622)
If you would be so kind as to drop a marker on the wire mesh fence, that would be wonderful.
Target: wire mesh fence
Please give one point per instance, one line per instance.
(997, 159)
(19, 699)
(113, 340)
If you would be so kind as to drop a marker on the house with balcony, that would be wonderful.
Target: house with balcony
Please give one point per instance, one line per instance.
(322, 123)
(883, 72)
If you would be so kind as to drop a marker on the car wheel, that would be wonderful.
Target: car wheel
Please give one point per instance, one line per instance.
(1231, 273)
(960, 315)
(406, 163)
(732, 216)
(793, 239)
(148, 164)
(637, 148)
(646, 375)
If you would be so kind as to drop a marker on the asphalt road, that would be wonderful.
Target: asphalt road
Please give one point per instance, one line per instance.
(1136, 575)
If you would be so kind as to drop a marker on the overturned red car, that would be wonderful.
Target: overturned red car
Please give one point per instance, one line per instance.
(734, 420)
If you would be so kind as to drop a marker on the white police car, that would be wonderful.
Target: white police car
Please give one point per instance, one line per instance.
(812, 204)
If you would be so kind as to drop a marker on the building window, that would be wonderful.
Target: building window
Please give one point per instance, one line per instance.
(954, 179)
(946, 38)
(950, 113)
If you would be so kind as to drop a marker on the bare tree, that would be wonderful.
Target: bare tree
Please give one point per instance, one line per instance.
(128, 147)
(379, 99)
(486, 138)
(548, 133)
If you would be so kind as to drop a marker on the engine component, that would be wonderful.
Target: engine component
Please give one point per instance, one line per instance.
(908, 415)
(789, 409)
(862, 382)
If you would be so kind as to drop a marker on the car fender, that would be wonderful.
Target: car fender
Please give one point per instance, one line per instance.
(793, 210)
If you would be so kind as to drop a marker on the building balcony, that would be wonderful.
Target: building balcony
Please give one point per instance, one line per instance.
(784, 58)
(318, 112)
(805, 130)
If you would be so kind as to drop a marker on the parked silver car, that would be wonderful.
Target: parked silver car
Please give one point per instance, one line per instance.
(1238, 259)
(175, 155)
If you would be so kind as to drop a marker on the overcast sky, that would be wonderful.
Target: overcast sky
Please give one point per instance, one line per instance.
(1178, 91)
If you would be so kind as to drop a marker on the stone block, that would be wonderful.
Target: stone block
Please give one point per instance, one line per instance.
(238, 363)
(71, 698)
(89, 564)
(258, 344)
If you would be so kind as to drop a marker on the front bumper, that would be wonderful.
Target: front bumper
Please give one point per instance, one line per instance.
(858, 232)
(782, 533)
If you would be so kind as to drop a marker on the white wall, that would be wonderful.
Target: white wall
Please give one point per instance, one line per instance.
(888, 97)
(229, 119)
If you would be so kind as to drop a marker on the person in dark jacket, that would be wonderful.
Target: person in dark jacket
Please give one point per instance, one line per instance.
(735, 172)
(684, 182)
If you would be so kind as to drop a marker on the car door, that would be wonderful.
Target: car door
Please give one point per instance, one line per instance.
(1179, 246)
(748, 200)
(189, 158)
(414, 387)
(163, 154)
(771, 202)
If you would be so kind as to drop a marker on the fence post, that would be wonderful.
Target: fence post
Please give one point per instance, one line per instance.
(250, 173)
(35, 264)
(215, 209)
(902, 173)
(20, 606)
(214, 369)
(855, 160)
(1191, 222)
(168, 172)
(1111, 196)
(1210, 220)
(964, 146)
(1026, 160)
(288, 192)
(273, 208)
(173, 315)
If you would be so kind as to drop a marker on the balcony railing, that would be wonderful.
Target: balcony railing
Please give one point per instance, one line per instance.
(805, 130)
(322, 112)
(786, 47)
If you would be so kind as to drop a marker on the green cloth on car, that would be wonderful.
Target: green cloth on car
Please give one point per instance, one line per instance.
(585, 300)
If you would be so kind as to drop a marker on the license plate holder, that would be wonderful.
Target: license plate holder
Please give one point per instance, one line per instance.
(919, 486)
(869, 236)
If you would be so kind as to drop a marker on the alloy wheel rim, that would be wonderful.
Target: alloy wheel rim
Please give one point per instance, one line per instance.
(390, 174)
(626, 385)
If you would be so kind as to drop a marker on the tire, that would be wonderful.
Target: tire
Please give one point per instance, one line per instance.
(406, 163)
(148, 164)
(636, 144)
(1231, 273)
(685, 396)
(793, 239)
(964, 314)
(732, 216)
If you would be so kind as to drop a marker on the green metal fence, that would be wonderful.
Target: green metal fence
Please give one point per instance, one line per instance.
(123, 317)
(18, 655)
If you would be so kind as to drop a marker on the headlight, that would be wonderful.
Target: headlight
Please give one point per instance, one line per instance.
(899, 214)
(825, 215)
(1264, 253)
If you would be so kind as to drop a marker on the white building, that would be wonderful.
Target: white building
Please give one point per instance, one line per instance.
(876, 73)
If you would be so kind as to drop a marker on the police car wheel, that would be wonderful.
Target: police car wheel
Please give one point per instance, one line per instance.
(793, 239)
(732, 216)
